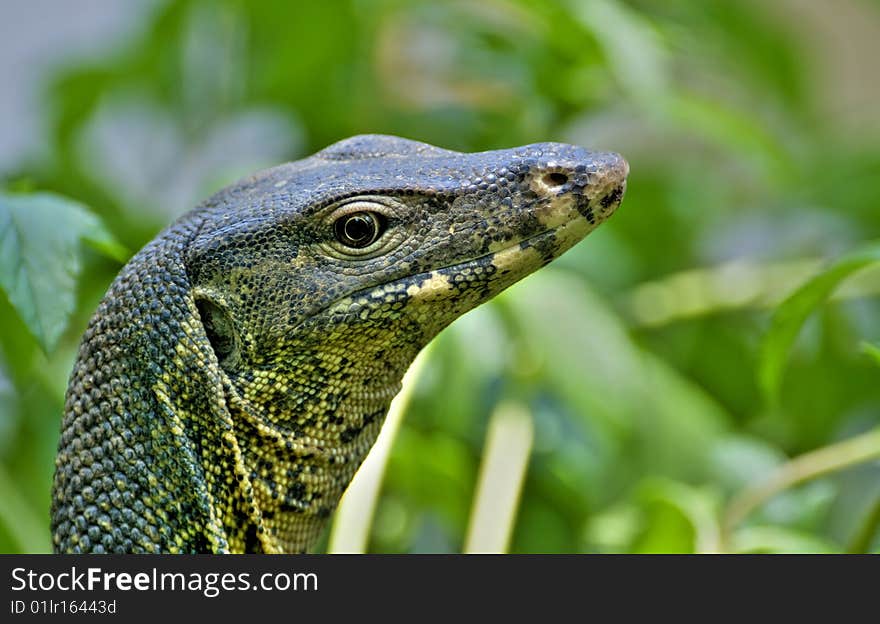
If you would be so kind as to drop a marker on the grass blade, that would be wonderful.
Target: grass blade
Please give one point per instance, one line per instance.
(791, 314)
(505, 459)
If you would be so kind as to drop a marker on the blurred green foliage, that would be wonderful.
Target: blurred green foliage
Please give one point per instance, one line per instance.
(638, 354)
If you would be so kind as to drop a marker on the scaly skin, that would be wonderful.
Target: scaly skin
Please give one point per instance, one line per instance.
(241, 365)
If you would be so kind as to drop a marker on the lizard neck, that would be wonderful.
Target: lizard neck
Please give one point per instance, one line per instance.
(302, 427)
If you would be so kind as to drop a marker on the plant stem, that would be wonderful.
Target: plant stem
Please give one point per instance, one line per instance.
(808, 466)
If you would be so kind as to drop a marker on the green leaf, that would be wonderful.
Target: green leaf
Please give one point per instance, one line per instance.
(872, 351)
(617, 390)
(632, 46)
(40, 258)
(683, 518)
(791, 314)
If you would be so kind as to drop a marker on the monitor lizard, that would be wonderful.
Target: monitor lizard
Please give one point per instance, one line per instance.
(240, 366)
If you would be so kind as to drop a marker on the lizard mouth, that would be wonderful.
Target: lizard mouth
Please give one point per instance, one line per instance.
(486, 275)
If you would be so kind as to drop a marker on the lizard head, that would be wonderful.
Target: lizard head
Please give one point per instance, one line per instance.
(317, 283)
(382, 231)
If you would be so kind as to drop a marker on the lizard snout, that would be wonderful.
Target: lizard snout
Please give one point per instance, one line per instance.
(610, 182)
(583, 173)
(575, 181)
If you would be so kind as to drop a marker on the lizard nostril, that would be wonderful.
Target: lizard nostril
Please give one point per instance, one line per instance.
(555, 180)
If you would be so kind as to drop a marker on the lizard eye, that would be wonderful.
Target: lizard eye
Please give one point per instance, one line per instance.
(359, 229)
(363, 228)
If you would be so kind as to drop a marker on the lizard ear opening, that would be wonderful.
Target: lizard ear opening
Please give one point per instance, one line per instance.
(220, 331)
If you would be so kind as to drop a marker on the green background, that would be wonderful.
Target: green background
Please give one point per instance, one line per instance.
(645, 358)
